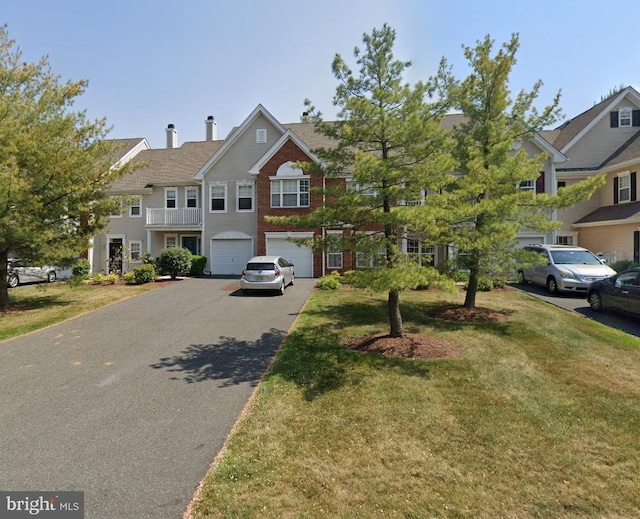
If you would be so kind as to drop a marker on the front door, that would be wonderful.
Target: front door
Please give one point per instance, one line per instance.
(116, 253)
(192, 243)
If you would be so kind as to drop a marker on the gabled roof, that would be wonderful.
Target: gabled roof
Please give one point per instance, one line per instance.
(235, 134)
(288, 135)
(570, 132)
(168, 165)
(628, 152)
(621, 213)
(125, 149)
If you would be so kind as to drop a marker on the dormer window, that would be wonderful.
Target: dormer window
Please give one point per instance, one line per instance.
(624, 117)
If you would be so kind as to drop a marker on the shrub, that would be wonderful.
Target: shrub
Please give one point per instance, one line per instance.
(97, 279)
(330, 282)
(197, 265)
(129, 277)
(621, 265)
(144, 273)
(111, 279)
(175, 260)
(81, 268)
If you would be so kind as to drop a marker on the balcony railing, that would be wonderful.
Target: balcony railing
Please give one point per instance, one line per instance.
(180, 216)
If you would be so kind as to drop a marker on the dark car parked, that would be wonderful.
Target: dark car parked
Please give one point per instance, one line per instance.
(620, 292)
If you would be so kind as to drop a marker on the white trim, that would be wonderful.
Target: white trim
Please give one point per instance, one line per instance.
(166, 191)
(261, 136)
(139, 199)
(252, 185)
(224, 185)
(186, 198)
(288, 135)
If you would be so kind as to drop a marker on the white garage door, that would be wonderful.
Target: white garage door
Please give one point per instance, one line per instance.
(301, 257)
(229, 256)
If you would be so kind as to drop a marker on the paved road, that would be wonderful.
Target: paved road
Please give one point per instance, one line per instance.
(630, 325)
(132, 402)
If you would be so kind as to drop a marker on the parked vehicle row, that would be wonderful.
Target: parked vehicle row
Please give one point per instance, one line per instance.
(578, 270)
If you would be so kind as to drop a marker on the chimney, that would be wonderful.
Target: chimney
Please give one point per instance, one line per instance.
(172, 136)
(211, 129)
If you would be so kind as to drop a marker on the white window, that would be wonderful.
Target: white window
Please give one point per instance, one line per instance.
(362, 189)
(118, 214)
(624, 187)
(170, 197)
(244, 195)
(290, 193)
(135, 250)
(191, 196)
(218, 198)
(135, 207)
(564, 240)
(527, 185)
(170, 240)
(624, 117)
(261, 136)
(421, 252)
(334, 250)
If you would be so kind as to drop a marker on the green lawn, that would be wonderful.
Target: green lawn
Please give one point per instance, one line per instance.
(539, 417)
(35, 306)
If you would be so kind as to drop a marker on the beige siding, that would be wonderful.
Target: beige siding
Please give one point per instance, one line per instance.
(232, 168)
(610, 239)
(598, 144)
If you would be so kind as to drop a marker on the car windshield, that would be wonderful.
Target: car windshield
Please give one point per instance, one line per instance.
(261, 266)
(574, 257)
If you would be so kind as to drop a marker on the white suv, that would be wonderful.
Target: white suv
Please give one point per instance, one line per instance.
(567, 268)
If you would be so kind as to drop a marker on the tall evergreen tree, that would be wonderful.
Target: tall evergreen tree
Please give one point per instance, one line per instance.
(390, 143)
(55, 165)
(484, 206)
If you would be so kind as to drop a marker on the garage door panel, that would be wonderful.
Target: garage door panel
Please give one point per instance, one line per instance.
(229, 256)
(301, 257)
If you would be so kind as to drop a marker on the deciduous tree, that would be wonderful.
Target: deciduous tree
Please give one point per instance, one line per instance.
(55, 165)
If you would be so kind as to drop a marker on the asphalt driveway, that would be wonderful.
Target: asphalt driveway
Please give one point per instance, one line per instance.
(131, 403)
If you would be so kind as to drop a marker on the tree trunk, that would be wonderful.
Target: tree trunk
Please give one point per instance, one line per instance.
(395, 318)
(472, 289)
(4, 288)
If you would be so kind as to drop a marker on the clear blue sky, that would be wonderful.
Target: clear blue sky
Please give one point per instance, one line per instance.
(154, 62)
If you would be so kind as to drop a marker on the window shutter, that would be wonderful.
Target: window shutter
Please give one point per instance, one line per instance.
(635, 118)
(615, 190)
(613, 119)
(633, 187)
(540, 183)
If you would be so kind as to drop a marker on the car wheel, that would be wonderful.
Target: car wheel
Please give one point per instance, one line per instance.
(552, 285)
(51, 277)
(13, 281)
(245, 292)
(281, 291)
(521, 278)
(293, 278)
(595, 301)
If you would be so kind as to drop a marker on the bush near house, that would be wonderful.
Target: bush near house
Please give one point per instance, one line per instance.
(175, 260)
(145, 273)
(197, 265)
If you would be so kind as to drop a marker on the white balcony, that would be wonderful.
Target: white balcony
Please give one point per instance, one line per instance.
(191, 216)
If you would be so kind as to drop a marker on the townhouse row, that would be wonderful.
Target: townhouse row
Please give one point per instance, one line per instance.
(212, 196)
